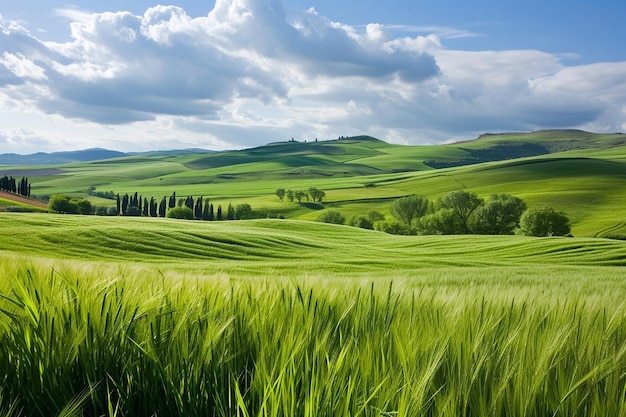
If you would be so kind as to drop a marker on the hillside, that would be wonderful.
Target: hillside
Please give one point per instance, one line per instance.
(581, 173)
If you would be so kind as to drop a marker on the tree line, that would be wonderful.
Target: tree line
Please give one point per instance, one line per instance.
(312, 193)
(136, 205)
(12, 185)
(462, 212)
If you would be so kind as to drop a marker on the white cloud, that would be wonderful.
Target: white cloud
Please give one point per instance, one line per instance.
(249, 73)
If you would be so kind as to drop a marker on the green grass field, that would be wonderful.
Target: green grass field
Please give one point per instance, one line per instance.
(135, 316)
(122, 316)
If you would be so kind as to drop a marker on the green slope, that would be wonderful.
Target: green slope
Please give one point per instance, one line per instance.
(578, 172)
(285, 247)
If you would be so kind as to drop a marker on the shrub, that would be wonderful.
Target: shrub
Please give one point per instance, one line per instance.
(393, 227)
(331, 216)
(361, 221)
(180, 213)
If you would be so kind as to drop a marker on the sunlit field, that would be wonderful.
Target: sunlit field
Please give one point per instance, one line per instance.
(120, 316)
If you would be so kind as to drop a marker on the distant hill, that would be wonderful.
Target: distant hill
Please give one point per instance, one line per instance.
(86, 155)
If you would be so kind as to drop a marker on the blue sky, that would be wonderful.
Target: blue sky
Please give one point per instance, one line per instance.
(229, 74)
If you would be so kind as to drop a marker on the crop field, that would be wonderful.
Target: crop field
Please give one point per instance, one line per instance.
(135, 316)
(140, 316)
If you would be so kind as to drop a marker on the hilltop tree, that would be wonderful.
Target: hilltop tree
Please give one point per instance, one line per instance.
(299, 195)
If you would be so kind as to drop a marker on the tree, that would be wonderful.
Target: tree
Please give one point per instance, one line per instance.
(316, 194)
(462, 203)
(361, 221)
(392, 227)
(197, 209)
(331, 216)
(375, 216)
(243, 211)
(184, 213)
(62, 204)
(544, 222)
(211, 213)
(299, 195)
(500, 216)
(124, 207)
(289, 195)
(409, 208)
(172, 201)
(205, 211)
(442, 222)
(84, 206)
(230, 212)
(218, 216)
(163, 207)
(280, 193)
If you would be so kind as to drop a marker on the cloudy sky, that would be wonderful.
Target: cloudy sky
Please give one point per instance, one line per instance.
(228, 74)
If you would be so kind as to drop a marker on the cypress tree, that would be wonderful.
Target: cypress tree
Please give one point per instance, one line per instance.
(205, 212)
(230, 214)
(163, 207)
(125, 201)
(211, 213)
(219, 213)
(172, 202)
(118, 202)
(145, 207)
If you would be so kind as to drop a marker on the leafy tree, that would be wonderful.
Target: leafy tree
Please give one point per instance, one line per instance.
(463, 203)
(375, 216)
(499, 216)
(316, 194)
(544, 222)
(84, 206)
(331, 216)
(361, 221)
(112, 211)
(409, 208)
(243, 211)
(180, 213)
(280, 193)
(62, 204)
(392, 227)
(299, 195)
(101, 211)
(289, 195)
(442, 222)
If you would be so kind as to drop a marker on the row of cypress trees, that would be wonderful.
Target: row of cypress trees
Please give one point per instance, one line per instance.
(136, 205)
(12, 185)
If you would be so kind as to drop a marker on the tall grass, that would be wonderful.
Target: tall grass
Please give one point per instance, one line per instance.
(130, 341)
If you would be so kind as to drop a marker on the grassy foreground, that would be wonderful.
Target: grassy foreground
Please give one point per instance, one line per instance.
(142, 317)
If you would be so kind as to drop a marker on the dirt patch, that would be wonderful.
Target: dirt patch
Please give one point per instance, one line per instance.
(23, 200)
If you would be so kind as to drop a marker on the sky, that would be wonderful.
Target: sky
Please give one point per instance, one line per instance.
(232, 74)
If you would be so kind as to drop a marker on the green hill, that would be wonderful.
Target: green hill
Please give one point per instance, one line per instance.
(581, 173)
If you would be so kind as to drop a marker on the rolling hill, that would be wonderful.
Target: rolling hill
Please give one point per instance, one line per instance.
(581, 173)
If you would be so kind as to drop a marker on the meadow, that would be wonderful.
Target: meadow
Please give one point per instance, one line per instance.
(123, 316)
